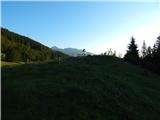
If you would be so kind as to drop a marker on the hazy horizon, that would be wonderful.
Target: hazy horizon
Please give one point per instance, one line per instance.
(94, 26)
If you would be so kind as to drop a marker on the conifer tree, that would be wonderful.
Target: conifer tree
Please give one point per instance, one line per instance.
(156, 56)
(158, 44)
(132, 52)
(144, 50)
(156, 48)
(148, 57)
(149, 51)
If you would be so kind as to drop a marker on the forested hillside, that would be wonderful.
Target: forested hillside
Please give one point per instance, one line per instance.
(15, 47)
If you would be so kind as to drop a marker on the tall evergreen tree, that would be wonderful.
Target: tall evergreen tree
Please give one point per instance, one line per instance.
(148, 57)
(144, 50)
(156, 56)
(152, 59)
(149, 50)
(158, 44)
(156, 48)
(132, 52)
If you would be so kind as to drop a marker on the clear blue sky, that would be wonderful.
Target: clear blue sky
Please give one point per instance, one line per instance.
(94, 26)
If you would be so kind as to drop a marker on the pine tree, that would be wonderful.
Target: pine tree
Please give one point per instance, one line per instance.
(156, 48)
(149, 50)
(156, 56)
(144, 50)
(158, 44)
(148, 57)
(132, 52)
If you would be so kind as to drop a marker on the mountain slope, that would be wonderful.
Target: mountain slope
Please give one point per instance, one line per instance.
(71, 51)
(15, 47)
(86, 88)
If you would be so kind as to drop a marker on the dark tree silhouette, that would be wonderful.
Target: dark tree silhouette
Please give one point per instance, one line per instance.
(152, 58)
(158, 44)
(156, 55)
(132, 52)
(156, 49)
(149, 50)
(144, 50)
(148, 57)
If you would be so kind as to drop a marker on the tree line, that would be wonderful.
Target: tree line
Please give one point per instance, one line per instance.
(149, 57)
(15, 47)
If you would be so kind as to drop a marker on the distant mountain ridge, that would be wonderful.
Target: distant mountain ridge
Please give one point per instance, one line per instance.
(71, 51)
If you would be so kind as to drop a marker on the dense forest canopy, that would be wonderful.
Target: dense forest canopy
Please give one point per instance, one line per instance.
(15, 47)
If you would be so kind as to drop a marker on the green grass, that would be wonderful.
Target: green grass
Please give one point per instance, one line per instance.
(89, 88)
(3, 63)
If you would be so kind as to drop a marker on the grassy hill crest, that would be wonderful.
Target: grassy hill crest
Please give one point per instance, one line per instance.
(85, 88)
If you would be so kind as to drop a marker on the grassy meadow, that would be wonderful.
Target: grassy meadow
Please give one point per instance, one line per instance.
(4, 63)
(86, 88)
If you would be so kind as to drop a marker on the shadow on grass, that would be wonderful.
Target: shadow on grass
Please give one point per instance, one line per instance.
(97, 88)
